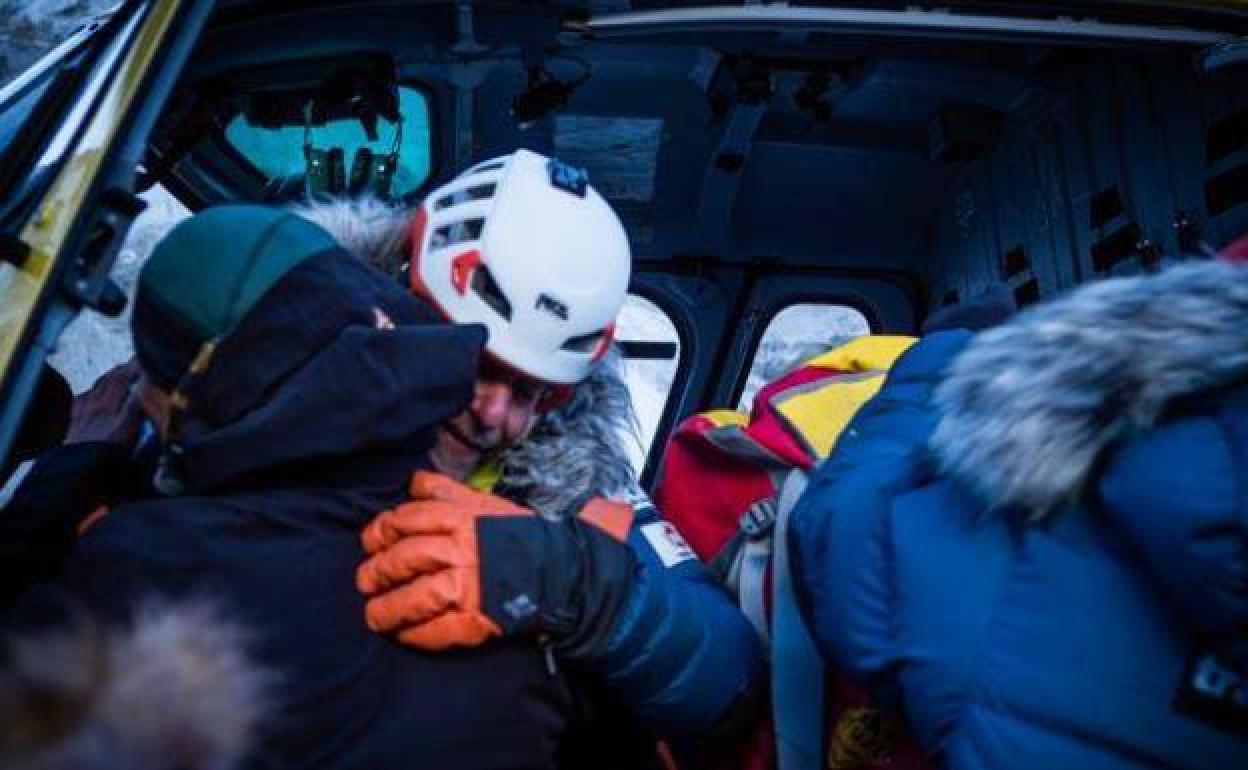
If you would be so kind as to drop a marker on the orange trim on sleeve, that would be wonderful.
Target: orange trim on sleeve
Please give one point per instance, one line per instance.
(665, 756)
(613, 518)
(91, 519)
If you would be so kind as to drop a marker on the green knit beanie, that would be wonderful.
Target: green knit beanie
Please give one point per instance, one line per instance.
(207, 274)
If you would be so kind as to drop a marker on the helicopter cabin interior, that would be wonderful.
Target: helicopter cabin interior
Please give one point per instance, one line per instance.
(884, 158)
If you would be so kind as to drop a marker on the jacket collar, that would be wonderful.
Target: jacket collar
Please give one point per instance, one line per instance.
(336, 362)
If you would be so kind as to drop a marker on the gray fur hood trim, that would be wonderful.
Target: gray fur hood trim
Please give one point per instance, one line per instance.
(577, 451)
(573, 453)
(372, 230)
(174, 689)
(1029, 407)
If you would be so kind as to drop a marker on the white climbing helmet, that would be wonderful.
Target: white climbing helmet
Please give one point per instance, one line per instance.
(523, 245)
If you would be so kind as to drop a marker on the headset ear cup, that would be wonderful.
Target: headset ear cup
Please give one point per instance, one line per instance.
(337, 170)
(326, 175)
(361, 171)
(386, 168)
(315, 178)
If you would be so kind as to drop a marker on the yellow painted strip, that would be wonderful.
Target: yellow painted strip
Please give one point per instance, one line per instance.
(48, 228)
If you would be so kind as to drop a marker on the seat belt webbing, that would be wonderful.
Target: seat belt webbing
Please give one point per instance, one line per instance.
(752, 585)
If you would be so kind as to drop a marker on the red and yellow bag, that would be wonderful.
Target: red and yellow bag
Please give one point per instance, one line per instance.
(723, 473)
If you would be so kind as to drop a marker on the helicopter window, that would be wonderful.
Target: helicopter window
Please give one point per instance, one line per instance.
(339, 149)
(795, 334)
(93, 343)
(651, 347)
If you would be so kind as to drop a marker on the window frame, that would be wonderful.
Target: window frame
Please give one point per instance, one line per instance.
(680, 381)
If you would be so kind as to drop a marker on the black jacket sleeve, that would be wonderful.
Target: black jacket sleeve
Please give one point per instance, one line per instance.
(39, 526)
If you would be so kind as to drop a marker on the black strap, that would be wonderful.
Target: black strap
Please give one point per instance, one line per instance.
(755, 523)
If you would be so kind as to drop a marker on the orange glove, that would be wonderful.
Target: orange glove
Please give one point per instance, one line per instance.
(456, 567)
(423, 573)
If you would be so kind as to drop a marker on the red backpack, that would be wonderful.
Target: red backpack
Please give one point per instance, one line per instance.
(728, 482)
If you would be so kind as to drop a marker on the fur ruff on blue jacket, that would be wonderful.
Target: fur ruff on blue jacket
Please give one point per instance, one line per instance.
(1028, 538)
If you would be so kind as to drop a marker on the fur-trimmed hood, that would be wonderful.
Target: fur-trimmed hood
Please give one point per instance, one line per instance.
(1028, 408)
(374, 231)
(575, 452)
(174, 689)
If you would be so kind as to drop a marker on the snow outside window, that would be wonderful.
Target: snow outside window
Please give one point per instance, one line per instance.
(92, 344)
(649, 381)
(795, 334)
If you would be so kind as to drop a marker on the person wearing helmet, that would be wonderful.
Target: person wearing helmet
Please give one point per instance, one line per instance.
(534, 525)
(525, 247)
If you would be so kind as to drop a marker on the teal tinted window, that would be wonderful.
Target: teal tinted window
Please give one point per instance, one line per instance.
(278, 152)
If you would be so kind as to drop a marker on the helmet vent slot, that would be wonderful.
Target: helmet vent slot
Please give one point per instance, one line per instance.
(480, 192)
(476, 193)
(487, 289)
(583, 343)
(456, 232)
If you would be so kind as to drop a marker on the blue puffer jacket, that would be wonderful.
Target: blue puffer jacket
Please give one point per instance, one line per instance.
(1035, 543)
(681, 655)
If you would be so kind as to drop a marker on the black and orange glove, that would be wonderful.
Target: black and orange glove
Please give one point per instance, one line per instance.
(455, 567)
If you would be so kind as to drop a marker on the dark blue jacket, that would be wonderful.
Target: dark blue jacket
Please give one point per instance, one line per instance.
(309, 421)
(681, 654)
(1037, 547)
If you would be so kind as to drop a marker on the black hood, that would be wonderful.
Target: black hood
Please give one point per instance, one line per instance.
(335, 366)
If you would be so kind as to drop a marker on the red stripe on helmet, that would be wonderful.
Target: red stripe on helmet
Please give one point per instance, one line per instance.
(462, 268)
(415, 239)
(415, 242)
(604, 342)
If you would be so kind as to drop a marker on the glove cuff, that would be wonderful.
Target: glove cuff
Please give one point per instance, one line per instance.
(568, 579)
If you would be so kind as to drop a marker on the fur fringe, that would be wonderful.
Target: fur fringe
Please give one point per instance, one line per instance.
(374, 231)
(574, 452)
(174, 689)
(1029, 407)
